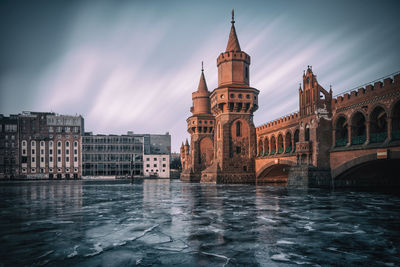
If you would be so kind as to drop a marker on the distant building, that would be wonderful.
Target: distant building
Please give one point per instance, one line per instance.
(157, 154)
(9, 135)
(112, 155)
(125, 155)
(50, 145)
(157, 165)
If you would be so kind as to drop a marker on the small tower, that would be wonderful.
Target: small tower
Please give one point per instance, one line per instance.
(233, 103)
(315, 122)
(201, 129)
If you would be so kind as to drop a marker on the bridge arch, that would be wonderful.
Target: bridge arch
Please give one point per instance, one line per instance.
(368, 170)
(275, 171)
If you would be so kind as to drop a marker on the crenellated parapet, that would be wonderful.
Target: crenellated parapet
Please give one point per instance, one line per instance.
(368, 94)
(281, 123)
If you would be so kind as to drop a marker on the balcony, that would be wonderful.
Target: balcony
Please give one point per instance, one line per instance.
(303, 147)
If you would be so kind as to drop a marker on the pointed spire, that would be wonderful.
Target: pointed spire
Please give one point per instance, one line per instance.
(233, 42)
(186, 143)
(202, 83)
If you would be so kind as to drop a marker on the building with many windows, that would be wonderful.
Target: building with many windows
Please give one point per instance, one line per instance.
(112, 155)
(124, 155)
(9, 146)
(50, 145)
(157, 165)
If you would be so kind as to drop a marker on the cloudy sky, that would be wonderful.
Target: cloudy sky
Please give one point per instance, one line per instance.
(132, 65)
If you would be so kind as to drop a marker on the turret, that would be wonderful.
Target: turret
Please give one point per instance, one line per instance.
(201, 98)
(186, 147)
(233, 64)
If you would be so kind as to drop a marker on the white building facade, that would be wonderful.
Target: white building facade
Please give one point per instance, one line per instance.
(156, 165)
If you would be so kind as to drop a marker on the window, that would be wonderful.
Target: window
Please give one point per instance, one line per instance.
(67, 151)
(51, 159)
(75, 151)
(238, 149)
(76, 159)
(67, 159)
(58, 151)
(41, 143)
(67, 129)
(24, 143)
(247, 72)
(148, 165)
(51, 129)
(164, 159)
(75, 144)
(67, 144)
(164, 165)
(155, 159)
(50, 151)
(41, 159)
(59, 144)
(59, 159)
(33, 151)
(155, 165)
(147, 159)
(33, 159)
(42, 151)
(238, 130)
(23, 151)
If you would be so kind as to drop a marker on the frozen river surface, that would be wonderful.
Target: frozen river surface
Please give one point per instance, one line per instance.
(163, 223)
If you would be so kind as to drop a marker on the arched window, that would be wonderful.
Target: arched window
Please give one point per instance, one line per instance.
(266, 147)
(260, 148)
(273, 145)
(288, 142)
(396, 121)
(23, 143)
(59, 143)
(280, 144)
(358, 130)
(238, 129)
(67, 143)
(341, 133)
(378, 125)
(307, 133)
(75, 143)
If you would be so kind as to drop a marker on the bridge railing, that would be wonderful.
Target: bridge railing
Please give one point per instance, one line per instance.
(358, 140)
(377, 137)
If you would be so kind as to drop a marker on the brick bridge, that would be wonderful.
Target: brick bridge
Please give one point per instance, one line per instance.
(349, 140)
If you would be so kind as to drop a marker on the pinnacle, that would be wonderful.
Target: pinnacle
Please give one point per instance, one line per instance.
(233, 41)
(202, 83)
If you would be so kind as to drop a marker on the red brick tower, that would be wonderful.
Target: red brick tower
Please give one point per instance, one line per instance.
(201, 128)
(233, 103)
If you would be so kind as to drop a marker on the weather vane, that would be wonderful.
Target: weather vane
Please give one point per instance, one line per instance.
(233, 16)
(202, 69)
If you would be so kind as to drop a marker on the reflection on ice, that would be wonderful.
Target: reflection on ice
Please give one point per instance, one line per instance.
(168, 223)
